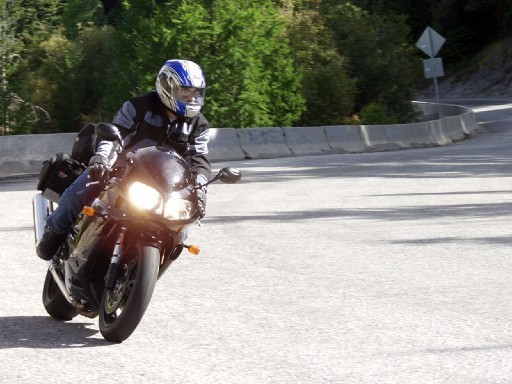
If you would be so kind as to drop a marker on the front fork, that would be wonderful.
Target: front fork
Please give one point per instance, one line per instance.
(111, 277)
(114, 262)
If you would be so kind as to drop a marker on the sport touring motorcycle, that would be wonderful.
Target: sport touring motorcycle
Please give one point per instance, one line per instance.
(122, 244)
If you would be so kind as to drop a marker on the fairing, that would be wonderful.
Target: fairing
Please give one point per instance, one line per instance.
(163, 166)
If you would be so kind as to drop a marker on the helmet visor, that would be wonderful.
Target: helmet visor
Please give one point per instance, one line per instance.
(188, 95)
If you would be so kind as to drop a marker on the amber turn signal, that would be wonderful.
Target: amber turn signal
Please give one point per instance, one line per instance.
(194, 249)
(88, 211)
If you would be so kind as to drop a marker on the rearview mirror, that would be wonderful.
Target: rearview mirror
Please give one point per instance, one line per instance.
(229, 175)
(108, 132)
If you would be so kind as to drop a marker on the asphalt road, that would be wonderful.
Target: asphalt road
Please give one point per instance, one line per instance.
(376, 268)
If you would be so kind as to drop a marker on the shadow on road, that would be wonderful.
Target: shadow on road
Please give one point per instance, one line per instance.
(45, 332)
(504, 240)
(405, 213)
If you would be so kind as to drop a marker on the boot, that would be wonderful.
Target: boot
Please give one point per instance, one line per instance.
(49, 244)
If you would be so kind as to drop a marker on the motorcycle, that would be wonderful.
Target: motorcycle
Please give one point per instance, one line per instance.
(123, 243)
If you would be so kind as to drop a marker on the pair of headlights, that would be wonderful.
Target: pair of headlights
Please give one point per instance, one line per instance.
(144, 197)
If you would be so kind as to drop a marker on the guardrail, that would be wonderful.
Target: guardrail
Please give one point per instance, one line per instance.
(24, 154)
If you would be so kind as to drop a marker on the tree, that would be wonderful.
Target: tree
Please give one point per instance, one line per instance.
(251, 80)
(17, 19)
(418, 13)
(469, 26)
(66, 71)
(380, 57)
(78, 14)
(254, 79)
(328, 89)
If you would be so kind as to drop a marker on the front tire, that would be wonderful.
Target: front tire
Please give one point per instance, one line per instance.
(54, 301)
(123, 307)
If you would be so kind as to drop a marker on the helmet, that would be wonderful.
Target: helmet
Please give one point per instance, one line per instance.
(180, 84)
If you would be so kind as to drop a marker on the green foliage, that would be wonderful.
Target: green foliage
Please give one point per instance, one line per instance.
(417, 12)
(375, 113)
(78, 14)
(380, 57)
(251, 80)
(141, 51)
(326, 86)
(17, 115)
(268, 63)
(252, 76)
(330, 93)
(68, 83)
(34, 20)
(91, 57)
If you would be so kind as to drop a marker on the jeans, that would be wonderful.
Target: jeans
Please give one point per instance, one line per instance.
(72, 201)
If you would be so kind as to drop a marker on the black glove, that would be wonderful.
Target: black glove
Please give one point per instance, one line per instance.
(99, 169)
(201, 202)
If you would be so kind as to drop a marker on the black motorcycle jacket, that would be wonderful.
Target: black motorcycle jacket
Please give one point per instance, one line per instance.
(144, 117)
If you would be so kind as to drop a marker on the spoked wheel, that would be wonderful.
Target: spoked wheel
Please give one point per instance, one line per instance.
(54, 301)
(123, 306)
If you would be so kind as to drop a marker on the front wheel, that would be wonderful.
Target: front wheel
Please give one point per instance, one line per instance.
(123, 306)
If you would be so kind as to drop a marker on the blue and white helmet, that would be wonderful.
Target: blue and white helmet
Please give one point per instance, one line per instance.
(180, 84)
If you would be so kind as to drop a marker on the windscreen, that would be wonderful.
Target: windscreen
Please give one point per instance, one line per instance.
(164, 166)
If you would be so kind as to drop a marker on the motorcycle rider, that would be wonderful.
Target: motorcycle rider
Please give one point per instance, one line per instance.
(170, 114)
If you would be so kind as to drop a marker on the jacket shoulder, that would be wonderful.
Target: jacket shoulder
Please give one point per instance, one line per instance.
(200, 121)
(147, 99)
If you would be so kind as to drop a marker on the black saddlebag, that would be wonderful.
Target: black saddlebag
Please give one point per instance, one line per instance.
(58, 173)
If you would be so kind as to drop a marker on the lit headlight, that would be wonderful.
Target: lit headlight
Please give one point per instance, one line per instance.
(177, 209)
(145, 197)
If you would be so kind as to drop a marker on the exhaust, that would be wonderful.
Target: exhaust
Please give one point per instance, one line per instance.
(41, 209)
(52, 267)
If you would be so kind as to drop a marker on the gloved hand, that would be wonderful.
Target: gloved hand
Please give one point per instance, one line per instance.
(99, 169)
(201, 194)
(201, 202)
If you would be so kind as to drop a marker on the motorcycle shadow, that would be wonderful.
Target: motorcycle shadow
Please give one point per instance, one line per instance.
(45, 332)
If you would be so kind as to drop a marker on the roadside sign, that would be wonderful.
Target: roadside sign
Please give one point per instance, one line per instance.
(433, 68)
(430, 42)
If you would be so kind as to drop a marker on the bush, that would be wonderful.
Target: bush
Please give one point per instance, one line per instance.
(375, 113)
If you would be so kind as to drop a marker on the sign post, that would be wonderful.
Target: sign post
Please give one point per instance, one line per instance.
(430, 43)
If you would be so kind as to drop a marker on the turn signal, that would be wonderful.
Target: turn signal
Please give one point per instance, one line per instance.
(88, 211)
(194, 249)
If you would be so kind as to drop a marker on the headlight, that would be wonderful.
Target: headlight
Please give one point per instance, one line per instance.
(143, 196)
(177, 209)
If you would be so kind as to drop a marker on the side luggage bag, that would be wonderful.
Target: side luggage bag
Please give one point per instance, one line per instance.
(58, 173)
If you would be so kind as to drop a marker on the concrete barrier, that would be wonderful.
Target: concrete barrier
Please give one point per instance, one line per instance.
(345, 138)
(409, 135)
(374, 137)
(452, 127)
(444, 110)
(260, 143)
(469, 123)
(306, 140)
(224, 145)
(24, 154)
(423, 136)
(440, 136)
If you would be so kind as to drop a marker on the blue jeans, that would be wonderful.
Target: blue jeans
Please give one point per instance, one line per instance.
(74, 198)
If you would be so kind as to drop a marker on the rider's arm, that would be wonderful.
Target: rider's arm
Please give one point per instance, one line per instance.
(125, 121)
(198, 149)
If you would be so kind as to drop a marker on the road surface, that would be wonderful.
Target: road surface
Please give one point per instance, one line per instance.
(389, 267)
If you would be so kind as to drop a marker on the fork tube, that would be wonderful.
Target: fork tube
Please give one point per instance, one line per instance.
(114, 262)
